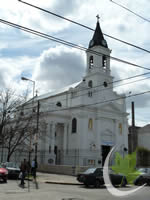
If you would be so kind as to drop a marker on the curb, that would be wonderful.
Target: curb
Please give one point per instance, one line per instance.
(62, 183)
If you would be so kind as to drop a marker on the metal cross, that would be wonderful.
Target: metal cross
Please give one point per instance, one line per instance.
(98, 17)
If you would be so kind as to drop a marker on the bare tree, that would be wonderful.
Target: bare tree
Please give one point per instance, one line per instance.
(16, 128)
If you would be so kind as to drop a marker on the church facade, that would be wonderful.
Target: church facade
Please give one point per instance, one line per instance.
(83, 121)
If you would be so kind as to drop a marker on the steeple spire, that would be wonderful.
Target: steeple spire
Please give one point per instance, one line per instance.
(98, 38)
(98, 17)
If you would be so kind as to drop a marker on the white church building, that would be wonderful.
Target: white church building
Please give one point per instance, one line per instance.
(84, 120)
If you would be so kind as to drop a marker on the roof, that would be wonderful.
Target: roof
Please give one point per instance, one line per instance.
(145, 129)
(98, 38)
(57, 92)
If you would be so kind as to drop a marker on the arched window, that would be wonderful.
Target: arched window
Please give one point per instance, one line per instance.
(74, 125)
(104, 60)
(90, 84)
(91, 62)
(90, 125)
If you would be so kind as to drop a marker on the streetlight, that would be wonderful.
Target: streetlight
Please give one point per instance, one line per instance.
(27, 79)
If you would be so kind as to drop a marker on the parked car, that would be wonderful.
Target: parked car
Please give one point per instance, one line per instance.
(13, 169)
(144, 177)
(3, 174)
(94, 176)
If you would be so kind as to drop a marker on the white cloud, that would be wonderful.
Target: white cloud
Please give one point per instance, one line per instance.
(58, 67)
(11, 71)
(20, 52)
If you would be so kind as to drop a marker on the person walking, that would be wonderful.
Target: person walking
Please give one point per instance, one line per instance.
(23, 169)
(33, 168)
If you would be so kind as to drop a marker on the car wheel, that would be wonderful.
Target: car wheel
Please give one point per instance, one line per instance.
(97, 184)
(148, 182)
(86, 185)
(5, 180)
(140, 181)
(123, 182)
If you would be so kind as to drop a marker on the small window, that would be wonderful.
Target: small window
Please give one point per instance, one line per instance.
(59, 104)
(90, 84)
(90, 125)
(34, 110)
(74, 125)
(120, 128)
(91, 162)
(22, 113)
(104, 60)
(49, 149)
(91, 62)
(105, 84)
(89, 94)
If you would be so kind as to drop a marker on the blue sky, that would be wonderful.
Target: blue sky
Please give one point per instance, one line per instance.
(47, 62)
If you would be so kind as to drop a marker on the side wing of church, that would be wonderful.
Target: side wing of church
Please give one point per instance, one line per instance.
(83, 121)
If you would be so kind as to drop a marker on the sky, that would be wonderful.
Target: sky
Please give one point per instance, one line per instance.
(52, 65)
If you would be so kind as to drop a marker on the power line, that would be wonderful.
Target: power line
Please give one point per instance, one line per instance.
(43, 35)
(130, 11)
(67, 19)
(130, 77)
(34, 32)
(103, 89)
(101, 102)
(119, 80)
(97, 90)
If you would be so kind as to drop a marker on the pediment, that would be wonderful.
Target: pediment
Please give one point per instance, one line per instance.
(111, 107)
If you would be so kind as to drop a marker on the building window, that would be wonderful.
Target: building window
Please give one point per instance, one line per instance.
(90, 84)
(74, 125)
(120, 128)
(91, 62)
(90, 124)
(91, 162)
(89, 94)
(49, 149)
(104, 60)
(34, 110)
(59, 104)
(22, 113)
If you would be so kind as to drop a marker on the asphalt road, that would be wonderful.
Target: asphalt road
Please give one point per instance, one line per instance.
(43, 191)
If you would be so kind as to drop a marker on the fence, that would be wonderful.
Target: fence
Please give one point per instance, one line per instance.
(73, 157)
(143, 159)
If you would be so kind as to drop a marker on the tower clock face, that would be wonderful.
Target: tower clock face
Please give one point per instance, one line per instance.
(91, 42)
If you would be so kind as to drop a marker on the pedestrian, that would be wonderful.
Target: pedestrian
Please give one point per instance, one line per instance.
(34, 166)
(28, 168)
(23, 169)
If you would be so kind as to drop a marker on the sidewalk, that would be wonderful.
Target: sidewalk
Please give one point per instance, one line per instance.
(57, 179)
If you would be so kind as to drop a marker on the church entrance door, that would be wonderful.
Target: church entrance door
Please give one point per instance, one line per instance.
(105, 151)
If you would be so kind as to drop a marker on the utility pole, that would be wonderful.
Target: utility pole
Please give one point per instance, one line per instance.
(133, 130)
(37, 130)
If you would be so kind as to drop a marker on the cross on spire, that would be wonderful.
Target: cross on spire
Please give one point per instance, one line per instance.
(98, 17)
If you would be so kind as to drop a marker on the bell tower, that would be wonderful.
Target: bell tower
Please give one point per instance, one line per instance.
(98, 58)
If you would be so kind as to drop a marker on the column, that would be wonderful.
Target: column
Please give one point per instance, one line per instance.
(47, 143)
(65, 138)
(52, 155)
(53, 128)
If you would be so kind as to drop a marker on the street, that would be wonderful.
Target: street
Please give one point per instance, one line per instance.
(11, 190)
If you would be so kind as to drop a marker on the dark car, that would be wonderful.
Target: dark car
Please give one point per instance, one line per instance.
(144, 177)
(94, 176)
(3, 174)
(13, 169)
